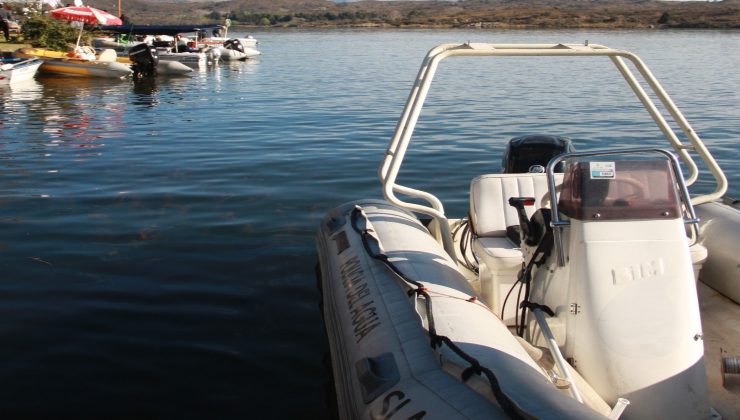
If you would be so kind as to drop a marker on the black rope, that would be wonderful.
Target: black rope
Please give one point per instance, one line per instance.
(532, 306)
(466, 240)
(437, 340)
(511, 289)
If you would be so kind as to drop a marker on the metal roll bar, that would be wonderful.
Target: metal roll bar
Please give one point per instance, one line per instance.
(391, 163)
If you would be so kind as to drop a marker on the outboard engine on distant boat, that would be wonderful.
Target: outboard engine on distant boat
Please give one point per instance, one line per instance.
(233, 44)
(531, 153)
(145, 60)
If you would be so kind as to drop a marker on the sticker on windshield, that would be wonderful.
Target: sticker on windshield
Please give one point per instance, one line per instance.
(602, 170)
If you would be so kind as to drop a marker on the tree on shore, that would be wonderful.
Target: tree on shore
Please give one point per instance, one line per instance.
(45, 32)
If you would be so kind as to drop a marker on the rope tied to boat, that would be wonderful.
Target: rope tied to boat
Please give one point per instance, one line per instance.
(372, 246)
(533, 305)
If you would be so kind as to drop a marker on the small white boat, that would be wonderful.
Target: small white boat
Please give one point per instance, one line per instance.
(216, 41)
(190, 58)
(569, 291)
(234, 50)
(16, 70)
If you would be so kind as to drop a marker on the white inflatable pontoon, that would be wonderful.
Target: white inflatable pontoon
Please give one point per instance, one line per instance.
(582, 306)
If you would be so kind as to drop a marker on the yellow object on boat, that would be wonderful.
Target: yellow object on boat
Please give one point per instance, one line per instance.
(59, 62)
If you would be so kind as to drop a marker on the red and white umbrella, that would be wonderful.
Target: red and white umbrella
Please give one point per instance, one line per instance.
(85, 14)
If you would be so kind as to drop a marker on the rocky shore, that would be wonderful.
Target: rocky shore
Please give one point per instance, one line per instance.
(506, 14)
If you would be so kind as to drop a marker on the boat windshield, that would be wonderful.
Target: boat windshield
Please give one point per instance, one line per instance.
(619, 190)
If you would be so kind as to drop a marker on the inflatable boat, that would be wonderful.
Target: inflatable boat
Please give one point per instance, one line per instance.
(570, 290)
(17, 70)
(68, 64)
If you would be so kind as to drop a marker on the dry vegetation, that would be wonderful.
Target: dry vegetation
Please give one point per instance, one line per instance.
(465, 13)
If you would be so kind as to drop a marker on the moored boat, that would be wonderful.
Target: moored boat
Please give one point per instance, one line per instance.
(170, 43)
(580, 306)
(58, 62)
(234, 50)
(16, 70)
(216, 41)
(144, 61)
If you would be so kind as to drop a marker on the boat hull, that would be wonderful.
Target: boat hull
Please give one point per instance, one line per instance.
(193, 60)
(219, 41)
(164, 67)
(228, 54)
(720, 234)
(19, 72)
(55, 62)
(382, 360)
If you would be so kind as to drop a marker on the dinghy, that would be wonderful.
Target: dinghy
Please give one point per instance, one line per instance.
(17, 70)
(569, 291)
(69, 64)
(234, 50)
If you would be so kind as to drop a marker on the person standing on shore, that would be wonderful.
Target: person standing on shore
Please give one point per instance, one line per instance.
(5, 17)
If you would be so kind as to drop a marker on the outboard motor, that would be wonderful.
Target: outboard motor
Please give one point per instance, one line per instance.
(145, 59)
(531, 153)
(234, 44)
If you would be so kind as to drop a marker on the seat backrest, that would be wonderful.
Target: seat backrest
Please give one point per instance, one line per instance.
(490, 212)
(107, 55)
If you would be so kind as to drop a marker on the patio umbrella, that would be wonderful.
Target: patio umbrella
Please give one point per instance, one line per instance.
(85, 14)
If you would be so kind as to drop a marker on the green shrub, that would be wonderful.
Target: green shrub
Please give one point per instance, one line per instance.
(45, 32)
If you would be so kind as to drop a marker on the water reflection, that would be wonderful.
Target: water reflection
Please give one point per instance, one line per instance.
(28, 90)
(13, 104)
(146, 92)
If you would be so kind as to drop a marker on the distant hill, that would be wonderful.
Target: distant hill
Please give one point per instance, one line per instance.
(419, 13)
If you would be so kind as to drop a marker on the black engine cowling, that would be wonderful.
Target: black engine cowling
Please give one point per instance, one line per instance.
(233, 44)
(145, 59)
(528, 153)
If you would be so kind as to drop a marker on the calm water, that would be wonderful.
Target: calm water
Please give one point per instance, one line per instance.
(156, 243)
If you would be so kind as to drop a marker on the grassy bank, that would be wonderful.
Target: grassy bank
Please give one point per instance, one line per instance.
(12, 46)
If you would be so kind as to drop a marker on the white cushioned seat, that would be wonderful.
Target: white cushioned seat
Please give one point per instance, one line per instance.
(498, 252)
(490, 214)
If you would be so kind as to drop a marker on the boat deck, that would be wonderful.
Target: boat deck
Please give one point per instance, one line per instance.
(721, 326)
(721, 329)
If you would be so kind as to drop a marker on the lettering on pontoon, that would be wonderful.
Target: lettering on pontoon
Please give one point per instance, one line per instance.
(642, 271)
(342, 242)
(395, 401)
(357, 293)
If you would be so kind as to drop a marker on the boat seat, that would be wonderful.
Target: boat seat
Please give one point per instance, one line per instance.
(107, 55)
(490, 214)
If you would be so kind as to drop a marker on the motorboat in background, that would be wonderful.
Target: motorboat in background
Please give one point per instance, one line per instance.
(233, 50)
(247, 42)
(218, 37)
(570, 290)
(15, 70)
(144, 61)
(74, 64)
(173, 44)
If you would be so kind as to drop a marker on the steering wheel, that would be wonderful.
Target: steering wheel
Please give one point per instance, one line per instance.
(640, 189)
